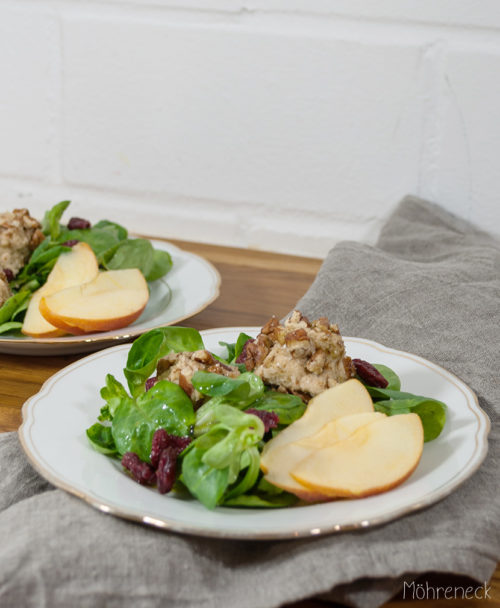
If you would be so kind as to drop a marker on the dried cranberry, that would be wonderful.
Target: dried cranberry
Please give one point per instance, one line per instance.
(77, 223)
(141, 471)
(150, 382)
(160, 442)
(9, 275)
(163, 440)
(179, 443)
(370, 374)
(166, 471)
(70, 243)
(270, 419)
(243, 356)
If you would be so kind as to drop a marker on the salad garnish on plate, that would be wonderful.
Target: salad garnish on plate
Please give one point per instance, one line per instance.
(72, 278)
(284, 417)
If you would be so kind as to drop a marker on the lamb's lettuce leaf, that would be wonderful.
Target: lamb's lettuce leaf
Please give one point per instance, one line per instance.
(113, 394)
(50, 223)
(250, 467)
(101, 439)
(262, 495)
(12, 305)
(234, 349)
(103, 240)
(39, 266)
(149, 348)
(10, 326)
(135, 421)
(390, 375)
(432, 412)
(203, 481)
(223, 461)
(392, 401)
(255, 499)
(121, 231)
(288, 407)
(162, 263)
(239, 391)
(133, 253)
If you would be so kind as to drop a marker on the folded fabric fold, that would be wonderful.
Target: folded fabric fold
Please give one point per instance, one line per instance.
(430, 286)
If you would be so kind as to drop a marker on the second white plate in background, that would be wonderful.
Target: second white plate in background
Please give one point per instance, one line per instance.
(191, 285)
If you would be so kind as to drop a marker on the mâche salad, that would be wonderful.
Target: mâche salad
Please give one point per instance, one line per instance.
(282, 418)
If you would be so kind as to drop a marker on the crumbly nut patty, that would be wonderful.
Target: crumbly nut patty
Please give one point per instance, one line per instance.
(299, 356)
(180, 368)
(20, 234)
(5, 291)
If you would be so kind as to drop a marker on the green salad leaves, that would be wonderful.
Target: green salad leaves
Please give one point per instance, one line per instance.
(392, 401)
(221, 465)
(109, 241)
(149, 348)
(226, 434)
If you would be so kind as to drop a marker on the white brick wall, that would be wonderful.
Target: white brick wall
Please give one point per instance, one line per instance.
(273, 124)
(29, 95)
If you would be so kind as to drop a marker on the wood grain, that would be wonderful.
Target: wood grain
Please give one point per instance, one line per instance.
(255, 286)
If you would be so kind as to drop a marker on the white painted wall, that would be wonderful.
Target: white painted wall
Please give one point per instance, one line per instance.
(284, 125)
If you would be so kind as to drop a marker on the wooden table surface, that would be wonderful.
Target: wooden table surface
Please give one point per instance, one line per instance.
(255, 286)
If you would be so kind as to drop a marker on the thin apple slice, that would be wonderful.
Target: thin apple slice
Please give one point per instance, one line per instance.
(375, 458)
(71, 268)
(285, 458)
(349, 397)
(114, 299)
(339, 429)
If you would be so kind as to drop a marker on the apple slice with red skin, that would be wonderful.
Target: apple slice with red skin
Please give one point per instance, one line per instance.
(375, 458)
(284, 451)
(287, 457)
(71, 268)
(339, 429)
(349, 397)
(113, 299)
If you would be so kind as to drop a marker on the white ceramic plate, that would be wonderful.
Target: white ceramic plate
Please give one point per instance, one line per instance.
(53, 436)
(190, 286)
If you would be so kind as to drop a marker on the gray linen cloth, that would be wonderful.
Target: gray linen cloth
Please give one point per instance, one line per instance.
(430, 286)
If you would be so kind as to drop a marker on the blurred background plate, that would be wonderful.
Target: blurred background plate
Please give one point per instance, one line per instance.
(191, 285)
